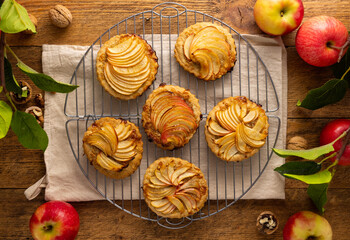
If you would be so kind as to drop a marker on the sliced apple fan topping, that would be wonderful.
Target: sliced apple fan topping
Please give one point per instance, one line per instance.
(238, 129)
(128, 66)
(172, 117)
(117, 149)
(210, 49)
(174, 188)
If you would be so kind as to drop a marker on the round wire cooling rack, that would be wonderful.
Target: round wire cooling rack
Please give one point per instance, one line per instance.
(228, 181)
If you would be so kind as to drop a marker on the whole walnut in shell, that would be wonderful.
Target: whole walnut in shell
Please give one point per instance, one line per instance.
(60, 16)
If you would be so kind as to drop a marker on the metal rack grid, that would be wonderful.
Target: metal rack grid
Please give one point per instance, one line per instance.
(228, 182)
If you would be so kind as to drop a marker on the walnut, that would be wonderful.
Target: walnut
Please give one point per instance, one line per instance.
(60, 16)
(34, 21)
(297, 143)
(267, 222)
(37, 113)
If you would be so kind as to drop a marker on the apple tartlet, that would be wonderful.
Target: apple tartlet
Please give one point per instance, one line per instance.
(206, 50)
(174, 188)
(236, 128)
(114, 147)
(126, 66)
(171, 116)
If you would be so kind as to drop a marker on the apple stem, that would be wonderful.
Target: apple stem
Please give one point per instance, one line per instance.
(345, 143)
(47, 228)
(342, 48)
(346, 72)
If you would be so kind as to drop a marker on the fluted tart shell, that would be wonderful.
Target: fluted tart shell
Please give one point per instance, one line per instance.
(174, 188)
(236, 128)
(196, 56)
(102, 61)
(153, 130)
(129, 139)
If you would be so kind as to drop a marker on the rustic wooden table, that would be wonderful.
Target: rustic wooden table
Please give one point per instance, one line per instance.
(20, 167)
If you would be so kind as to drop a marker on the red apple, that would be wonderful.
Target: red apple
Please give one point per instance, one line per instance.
(278, 17)
(306, 225)
(330, 132)
(318, 40)
(54, 220)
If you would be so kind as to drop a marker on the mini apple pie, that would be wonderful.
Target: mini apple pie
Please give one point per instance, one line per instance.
(206, 50)
(236, 128)
(174, 188)
(114, 147)
(171, 116)
(126, 66)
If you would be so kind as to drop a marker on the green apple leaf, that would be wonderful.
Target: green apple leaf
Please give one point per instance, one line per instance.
(324, 176)
(309, 154)
(299, 168)
(14, 18)
(318, 194)
(5, 118)
(331, 92)
(28, 131)
(45, 82)
(10, 81)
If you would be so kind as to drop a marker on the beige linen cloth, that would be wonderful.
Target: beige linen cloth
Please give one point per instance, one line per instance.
(64, 180)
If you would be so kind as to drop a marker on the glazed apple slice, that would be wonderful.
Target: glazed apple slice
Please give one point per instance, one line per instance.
(105, 162)
(156, 181)
(194, 191)
(251, 116)
(254, 134)
(104, 139)
(177, 173)
(240, 144)
(123, 131)
(206, 66)
(166, 206)
(161, 178)
(247, 139)
(185, 175)
(191, 183)
(227, 138)
(230, 151)
(185, 201)
(177, 203)
(215, 129)
(160, 203)
(225, 121)
(170, 209)
(206, 33)
(187, 45)
(122, 47)
(131, 58)
(189, 198)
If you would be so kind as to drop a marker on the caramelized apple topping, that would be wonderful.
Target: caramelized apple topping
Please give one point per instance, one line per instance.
(210, 49)
(172, 117)
(128, 66)
(116, 146)
(174, 188)
(239, 128)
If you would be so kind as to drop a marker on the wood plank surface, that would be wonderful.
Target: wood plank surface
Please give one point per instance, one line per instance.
(20, 167)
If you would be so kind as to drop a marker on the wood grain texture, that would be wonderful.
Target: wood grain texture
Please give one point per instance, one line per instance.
(19, 167)
(101, 220)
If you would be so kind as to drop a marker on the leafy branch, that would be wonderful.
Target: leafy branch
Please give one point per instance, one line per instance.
(310, 172)
(333, 90)
(14, 18)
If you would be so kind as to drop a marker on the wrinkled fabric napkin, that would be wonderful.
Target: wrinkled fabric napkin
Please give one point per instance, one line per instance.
(65, 179)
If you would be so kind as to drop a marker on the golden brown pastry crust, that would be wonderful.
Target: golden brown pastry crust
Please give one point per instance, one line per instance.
(149, 127)
(223, 105)
(101, 60)
(201, 183)
(193, 67)
(91, 151)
